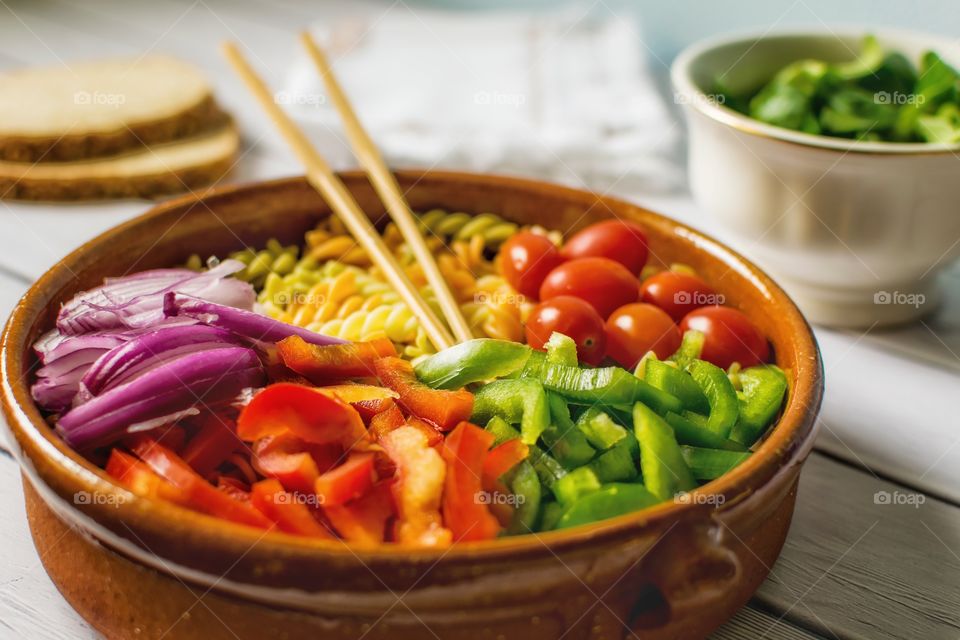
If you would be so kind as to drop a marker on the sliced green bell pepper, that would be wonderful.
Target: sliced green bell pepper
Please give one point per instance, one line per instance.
(575, 485)
(547, 468)
(561, 350)
(525, 485)
(550, 516)
(562, 439)
(605, 386)
(609, 501)
(600, 429)
(689, 433)
(617, 464)
(472, 361)
(760, 400)
(664, 471)
(707, 464)
(518, 401)
(677, 383)
(720, 394)
(691, 346)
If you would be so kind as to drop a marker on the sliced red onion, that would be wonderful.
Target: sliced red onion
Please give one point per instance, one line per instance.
(137, 300)
(243, 323)
(148, 350)
(54, 345)
(196, 380)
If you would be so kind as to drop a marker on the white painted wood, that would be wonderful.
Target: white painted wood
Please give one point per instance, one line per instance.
(756, 623)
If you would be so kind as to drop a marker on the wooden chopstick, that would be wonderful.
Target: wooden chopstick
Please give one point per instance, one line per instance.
(386, 185)
(323, 179)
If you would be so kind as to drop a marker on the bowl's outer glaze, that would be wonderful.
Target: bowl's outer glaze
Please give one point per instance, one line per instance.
(712, 549)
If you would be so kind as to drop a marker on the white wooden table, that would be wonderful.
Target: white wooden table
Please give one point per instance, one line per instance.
(853, 567)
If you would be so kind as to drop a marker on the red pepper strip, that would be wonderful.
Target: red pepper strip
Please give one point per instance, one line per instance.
(290, 514)
(369, 408)
(335, 361)
(199, 494)
(364, 521)
(140, 479)
(386, 421)
(284, 458)
(304, 411)
(349, 481)
(420, 473)
(433, 435)
(213, 443)
(464, 511)
(445, 409)
(353, 393)
(501, 459)
(234, 488)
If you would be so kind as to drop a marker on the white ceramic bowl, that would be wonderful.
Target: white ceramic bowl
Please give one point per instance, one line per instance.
(855, 231)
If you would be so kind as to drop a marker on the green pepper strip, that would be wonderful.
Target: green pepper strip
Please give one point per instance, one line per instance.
(525, 485)
(550, 516)
(677, 383)
(610, 501)
(617, 464)
(664, 471)
(691, 346)
(520, 402)
(600, 429)
(722, 397)
(576, 484)
(472, 361)
(689, 433)
(548, 470)
(707, 464)
(760, 400)
(561, 350)
(605, 386)
(562, 439)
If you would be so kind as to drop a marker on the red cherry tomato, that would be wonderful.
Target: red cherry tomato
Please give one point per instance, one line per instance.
(603, 283)
(526, 259)
(635, 329)
(730, 336)
(677, 293)
(572, 317)
(618, 240)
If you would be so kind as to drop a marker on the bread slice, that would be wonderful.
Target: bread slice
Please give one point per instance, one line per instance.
(96, 109)
(161, 169)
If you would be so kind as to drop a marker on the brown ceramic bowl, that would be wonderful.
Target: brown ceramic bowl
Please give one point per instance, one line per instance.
(134, 567)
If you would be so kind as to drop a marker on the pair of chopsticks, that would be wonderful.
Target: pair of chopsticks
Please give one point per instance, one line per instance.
(343, 204)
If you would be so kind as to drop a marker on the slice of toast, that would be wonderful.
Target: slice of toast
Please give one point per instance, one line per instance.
(95, 109)
(152, 171)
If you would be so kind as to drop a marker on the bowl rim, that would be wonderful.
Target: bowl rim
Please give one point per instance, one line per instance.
(790, 439)
(696, 98)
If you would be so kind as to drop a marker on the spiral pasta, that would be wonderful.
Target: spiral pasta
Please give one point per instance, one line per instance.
(335, 290)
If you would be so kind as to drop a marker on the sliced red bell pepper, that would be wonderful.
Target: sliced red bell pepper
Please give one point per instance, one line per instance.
(445, 409)
(349, 481)
(140, 479)
(419, 488)
(364, 521)
(355, 393)
(386, 421)
(288, 459)
(304, 411)
(428, 429)
(336, 361)
(465, 511)
(369, 408)
(215, 440)
(286, 509)
(199, 494)
(502, 459)
(171, 436)
(236, 489)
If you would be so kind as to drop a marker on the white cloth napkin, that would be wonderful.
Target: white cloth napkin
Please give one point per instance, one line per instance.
(563, 95)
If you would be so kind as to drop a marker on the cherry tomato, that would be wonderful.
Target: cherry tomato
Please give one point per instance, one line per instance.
(634, 329)
(572, 317)
(526, 259)
(603, 283)
(730, 336)
(618, 240)
(677, 293)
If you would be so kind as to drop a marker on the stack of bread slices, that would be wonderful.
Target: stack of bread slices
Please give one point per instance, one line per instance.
(111, 129)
